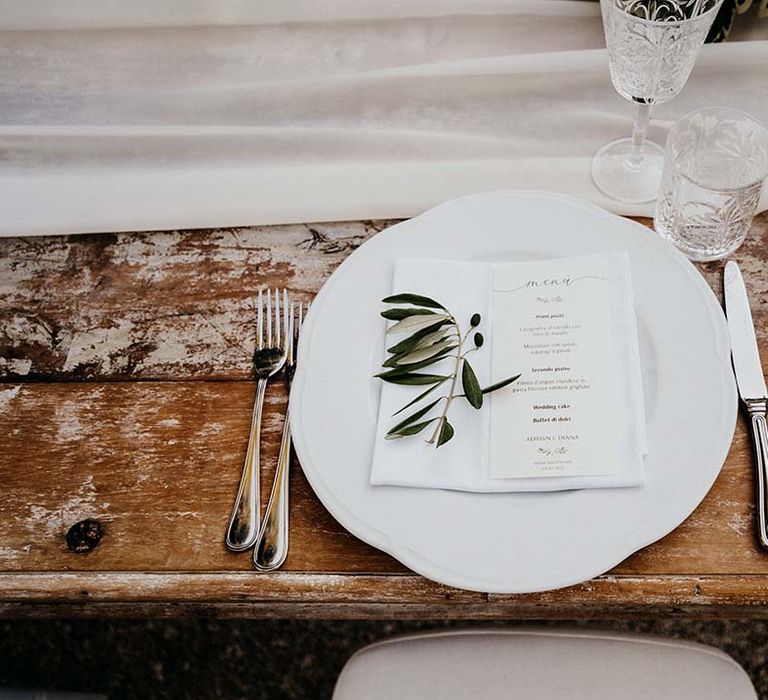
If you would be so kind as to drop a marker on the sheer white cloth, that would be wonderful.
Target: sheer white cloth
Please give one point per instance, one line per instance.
(158, 115)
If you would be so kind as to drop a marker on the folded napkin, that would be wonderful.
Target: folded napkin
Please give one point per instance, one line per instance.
(468, 461)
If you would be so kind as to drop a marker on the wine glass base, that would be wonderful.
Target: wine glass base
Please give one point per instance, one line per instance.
(617, 177)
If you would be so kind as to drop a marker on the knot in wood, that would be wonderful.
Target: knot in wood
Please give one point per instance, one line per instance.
(83, 536)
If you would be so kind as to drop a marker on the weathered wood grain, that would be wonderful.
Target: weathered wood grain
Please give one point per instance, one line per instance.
(157, 463)
(159, 305)
(126, 359)
(359, 596)
(180, 304)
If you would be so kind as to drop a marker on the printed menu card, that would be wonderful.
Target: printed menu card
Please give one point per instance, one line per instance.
(556, 323)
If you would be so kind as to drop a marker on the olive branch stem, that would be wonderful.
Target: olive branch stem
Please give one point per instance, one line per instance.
(450, 396)
(433, 336)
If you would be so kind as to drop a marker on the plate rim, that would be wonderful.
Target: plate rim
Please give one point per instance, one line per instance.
(417, 562)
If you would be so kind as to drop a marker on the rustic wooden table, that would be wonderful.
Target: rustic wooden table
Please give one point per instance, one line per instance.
(126, 396)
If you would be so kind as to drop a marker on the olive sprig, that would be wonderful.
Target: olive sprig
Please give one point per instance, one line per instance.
(432, 335)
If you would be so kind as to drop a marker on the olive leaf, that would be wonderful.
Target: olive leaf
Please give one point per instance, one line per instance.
(427, 352)
(416, 379)
(413, 417)
(501, 384)
(411, 367)
(435, 337)
(399, 314)
(408, 361)
(446, 432)
(415, 299)
(422, 395)
(414, 340)
(471, 386)
(432, 337)
(410, 430)
(416, 323)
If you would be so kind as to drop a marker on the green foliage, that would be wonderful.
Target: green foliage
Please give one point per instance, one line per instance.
(432, 336)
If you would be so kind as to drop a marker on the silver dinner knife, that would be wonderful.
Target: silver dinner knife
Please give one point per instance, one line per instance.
(751, 383)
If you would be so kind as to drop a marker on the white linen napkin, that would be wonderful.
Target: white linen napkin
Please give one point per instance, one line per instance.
(463, 463)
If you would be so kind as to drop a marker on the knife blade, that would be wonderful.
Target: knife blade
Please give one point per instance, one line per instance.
(751, 383)
(746, 360)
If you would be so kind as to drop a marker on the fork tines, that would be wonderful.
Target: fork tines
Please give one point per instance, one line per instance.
(296, 317)
(271, 312)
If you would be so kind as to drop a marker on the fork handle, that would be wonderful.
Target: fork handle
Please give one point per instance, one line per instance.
(244, 522)
(272, 544)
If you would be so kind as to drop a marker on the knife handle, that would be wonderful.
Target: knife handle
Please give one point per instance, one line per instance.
(757, 412)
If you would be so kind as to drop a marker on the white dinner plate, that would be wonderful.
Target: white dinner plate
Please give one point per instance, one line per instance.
(515, 542)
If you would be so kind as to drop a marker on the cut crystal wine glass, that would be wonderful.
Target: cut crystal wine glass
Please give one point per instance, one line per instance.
(652, 47)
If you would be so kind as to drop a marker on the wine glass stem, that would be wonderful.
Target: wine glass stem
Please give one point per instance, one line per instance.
(639, 131)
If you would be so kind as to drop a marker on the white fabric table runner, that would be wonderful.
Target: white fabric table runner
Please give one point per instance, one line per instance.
(171, 114)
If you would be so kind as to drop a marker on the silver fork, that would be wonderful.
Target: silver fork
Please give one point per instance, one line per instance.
(272, 544)
(268, 359)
